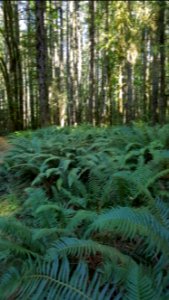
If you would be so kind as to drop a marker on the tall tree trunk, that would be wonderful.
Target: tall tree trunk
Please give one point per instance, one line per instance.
(145, 67)
(62, 87)
(129, 73)
(31, 59)
(97, 77)
(162, 96)
(53, 50)
(42, 70)
(155, 88)
(155, 73)
(91, 103)
(69, 67)
(129, 104)
(77, 59)
(19, 67)
(104, 88)
(13, 71)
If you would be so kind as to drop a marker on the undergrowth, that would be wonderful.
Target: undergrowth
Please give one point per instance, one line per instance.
(92, 217)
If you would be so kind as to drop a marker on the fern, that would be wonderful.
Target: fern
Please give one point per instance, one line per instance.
(129, 223)
(85, 248)
(91, 198)
(57, 280)
(161, 211)
(139, 286)
(9, 283)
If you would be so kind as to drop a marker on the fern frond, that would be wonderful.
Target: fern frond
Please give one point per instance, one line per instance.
(81, 248)
(57, 280)
(80, 217)
(139, 286)
(17, 249)
(45, 233)
(9, 282)
(161, 211)
(130, 222)
(15, 228)
(35, 198)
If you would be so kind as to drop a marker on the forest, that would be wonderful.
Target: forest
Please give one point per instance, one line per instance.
(84, 150)
(76, 62)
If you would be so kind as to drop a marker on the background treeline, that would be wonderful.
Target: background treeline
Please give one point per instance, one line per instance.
(73, 62)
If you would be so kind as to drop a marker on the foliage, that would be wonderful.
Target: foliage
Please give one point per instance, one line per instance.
(93, 222)
(124, 44)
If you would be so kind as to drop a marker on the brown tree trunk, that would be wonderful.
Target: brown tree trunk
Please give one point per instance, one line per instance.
(105, 66)
(162, 96)
(155, 88)
(91, 102)
(42, 69)
(129, 73)
(30, 73)
(129, 104)
(19, 67)
(13, 70)
(155, 73)
(69, 67)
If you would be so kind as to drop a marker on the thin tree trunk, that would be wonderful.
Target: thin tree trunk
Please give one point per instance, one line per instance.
(155, 88)
(62, 109)
(155, 74)
(19, 67)
(145, 66)
(104, 90)
(162, 98)
(129, 73)
(77, 59)
(68, 75)
(42, 70)
(30, 73)
(129, 104)
(92, 59)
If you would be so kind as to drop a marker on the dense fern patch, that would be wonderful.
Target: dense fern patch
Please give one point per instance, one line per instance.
(93, 221)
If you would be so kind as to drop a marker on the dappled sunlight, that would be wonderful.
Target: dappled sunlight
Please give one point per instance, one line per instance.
(7, 208)
(132, 54)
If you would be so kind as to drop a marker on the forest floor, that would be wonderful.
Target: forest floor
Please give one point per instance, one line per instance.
(75, 200)
(4, 146)
(8, 203)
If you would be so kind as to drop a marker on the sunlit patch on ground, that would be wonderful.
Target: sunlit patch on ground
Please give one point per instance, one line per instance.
(7, 208)
(4, 146)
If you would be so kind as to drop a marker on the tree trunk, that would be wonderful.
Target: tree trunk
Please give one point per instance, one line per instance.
(162, 96)
(105, 66)
(42, 69)
(155, 72)
(129, 73)
(69, 66)
(91, 102)
(155, 88)
(30, 73)
(129, 104)
(62, 87)
(13, 71)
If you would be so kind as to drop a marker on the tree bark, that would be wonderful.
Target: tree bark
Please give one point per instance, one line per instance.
(105, 66)
(13, 71)
(162, 96)
(91, 102)
(129, 73)
(42, 70)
